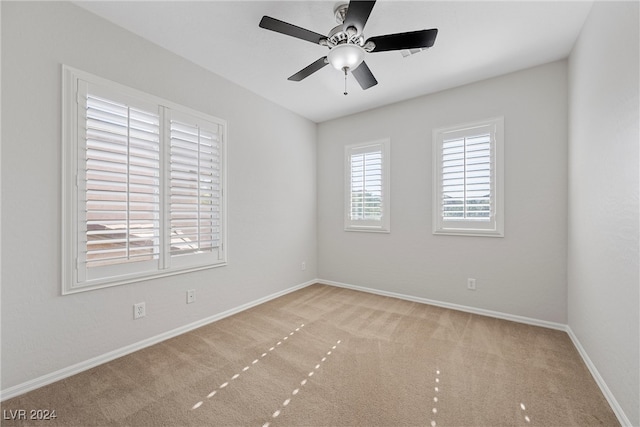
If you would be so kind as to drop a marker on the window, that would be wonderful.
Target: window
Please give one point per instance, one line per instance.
(367, 187)
(468, 183)
(143, 185)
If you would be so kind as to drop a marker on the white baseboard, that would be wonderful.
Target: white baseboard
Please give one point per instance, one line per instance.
(467, 309)
(615, 406)
(112, 355)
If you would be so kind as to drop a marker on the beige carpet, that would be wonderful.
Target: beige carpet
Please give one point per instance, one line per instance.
(326, 356)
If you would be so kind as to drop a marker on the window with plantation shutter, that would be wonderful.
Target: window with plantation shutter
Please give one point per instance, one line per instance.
(143, 184)
(468, 187)
(367, 195)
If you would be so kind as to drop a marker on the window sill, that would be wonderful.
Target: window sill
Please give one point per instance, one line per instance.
(368, 230)
(133, 279)
(471, 233)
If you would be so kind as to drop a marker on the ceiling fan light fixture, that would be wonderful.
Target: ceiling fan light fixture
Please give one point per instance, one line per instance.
(347, 56)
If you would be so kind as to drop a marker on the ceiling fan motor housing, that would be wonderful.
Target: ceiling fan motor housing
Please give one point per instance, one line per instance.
(338, 35)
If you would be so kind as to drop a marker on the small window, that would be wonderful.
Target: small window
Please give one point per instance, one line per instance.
(367, 195)
(468, 183)
(143, 186)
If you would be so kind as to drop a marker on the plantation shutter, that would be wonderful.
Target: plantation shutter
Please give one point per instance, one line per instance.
(121, 217)
(195, 186)
(467, 179)
(367, 186)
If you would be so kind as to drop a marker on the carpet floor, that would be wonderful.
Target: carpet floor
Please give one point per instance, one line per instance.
(326, 356)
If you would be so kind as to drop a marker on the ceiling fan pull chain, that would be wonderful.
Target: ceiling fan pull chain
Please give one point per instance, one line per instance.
(345, 81)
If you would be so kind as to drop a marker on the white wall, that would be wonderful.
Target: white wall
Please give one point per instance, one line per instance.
(603, 270)
(523, 273)
(271, 216)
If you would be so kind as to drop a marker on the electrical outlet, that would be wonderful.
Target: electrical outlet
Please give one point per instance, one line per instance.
(191, 296)
(471, 284)
(303, 266)
(138, 310)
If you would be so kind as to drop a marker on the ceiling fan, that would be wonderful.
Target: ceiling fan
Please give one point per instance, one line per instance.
(346, 42)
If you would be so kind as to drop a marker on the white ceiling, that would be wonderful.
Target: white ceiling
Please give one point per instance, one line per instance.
(476, 40)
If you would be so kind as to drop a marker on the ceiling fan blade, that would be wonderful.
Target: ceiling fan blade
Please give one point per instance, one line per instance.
(410, 40)
(357, 14)
(364, 76)
(282, 27)
(308, 70)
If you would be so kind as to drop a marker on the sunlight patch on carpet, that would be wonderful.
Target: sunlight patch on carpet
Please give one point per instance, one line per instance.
(436, 390)
(277, 412)
(524, 408)
(245, 369)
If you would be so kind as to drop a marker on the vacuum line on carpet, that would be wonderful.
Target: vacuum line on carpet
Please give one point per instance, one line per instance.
(295, 391)
(246, 368)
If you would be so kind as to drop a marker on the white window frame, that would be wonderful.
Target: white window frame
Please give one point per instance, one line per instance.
(494, 225)
(76, 276)
(382, 224)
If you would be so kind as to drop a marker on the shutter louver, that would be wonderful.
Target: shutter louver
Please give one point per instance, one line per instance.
(366, 201)
(195, 188)
(122, 178)
(467, 182)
